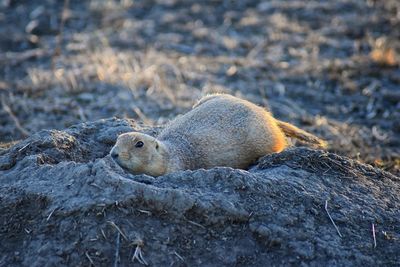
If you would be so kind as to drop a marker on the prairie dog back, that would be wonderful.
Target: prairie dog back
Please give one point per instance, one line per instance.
(225, 131)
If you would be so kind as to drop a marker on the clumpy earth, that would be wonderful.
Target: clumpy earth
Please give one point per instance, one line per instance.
(64, 202)
(329, 67)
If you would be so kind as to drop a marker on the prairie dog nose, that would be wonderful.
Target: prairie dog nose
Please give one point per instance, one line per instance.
(114, 154)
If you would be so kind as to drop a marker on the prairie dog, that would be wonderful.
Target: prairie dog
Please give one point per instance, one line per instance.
(220, 130)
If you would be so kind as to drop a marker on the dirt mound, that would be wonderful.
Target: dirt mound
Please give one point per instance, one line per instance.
(63, 201)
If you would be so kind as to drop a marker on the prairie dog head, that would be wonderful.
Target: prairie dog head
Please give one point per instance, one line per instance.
(140, 153)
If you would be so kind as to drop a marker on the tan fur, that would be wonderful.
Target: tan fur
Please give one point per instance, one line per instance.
(292, 131)
(150, 159)
(220, 130)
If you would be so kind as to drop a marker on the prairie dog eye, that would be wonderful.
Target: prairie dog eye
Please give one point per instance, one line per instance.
(139, 144)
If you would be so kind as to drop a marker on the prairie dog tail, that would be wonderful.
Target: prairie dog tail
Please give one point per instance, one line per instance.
(292, 131)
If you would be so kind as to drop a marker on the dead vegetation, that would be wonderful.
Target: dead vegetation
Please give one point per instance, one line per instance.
(329, 67)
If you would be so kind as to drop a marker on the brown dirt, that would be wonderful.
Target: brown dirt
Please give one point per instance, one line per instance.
(64, 202)
(329, 67)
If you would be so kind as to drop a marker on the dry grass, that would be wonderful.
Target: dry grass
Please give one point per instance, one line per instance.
(152, 65)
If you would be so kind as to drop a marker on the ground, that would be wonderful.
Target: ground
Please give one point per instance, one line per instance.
(65, 202)
(330, 67)
(76, 74)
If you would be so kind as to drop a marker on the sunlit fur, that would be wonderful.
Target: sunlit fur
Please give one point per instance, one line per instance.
(220, 130)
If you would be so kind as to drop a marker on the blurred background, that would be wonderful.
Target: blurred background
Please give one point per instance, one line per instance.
(330, 67)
